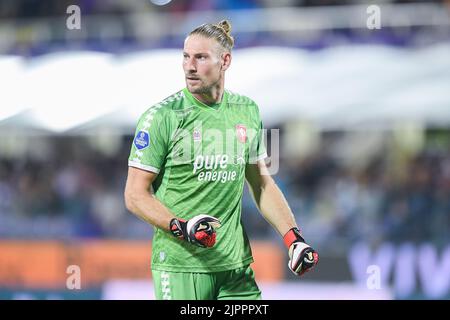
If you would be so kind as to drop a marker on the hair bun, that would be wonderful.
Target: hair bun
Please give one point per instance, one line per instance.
(226, 26)
(221, 32)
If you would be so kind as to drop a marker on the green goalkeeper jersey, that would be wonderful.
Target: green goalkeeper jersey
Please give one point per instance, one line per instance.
(200, 153)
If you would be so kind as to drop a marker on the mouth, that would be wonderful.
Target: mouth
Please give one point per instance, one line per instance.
(192, 78)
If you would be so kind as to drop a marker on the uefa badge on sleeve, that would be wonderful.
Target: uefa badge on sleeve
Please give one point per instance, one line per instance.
(241, 132)
(142, 140)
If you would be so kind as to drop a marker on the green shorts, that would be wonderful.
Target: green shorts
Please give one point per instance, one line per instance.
(238, 284)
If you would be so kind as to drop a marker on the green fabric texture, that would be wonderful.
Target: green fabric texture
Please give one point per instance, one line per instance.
(238, 284)
(200, 154)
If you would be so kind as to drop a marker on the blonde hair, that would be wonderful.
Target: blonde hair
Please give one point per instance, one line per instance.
(221, 32)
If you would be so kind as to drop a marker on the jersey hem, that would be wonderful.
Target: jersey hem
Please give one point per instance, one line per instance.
(171, 268)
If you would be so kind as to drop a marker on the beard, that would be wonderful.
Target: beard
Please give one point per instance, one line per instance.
(202, 88)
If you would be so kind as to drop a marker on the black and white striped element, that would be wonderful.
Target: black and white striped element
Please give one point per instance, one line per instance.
(200, 230)
(302, 258)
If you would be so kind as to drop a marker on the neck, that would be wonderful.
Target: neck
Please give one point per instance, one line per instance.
(213, 96)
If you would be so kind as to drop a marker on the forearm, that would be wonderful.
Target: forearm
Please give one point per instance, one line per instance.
(199, 230)
(273, 206)
(148, 208)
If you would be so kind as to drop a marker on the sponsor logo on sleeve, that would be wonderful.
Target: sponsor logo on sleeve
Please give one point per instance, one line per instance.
(142, 140)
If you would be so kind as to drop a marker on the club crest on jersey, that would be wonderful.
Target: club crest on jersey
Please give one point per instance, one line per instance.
(241, 132)
(197, 135)
(142, 140)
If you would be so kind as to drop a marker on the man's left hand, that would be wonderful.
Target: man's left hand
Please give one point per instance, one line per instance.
(302, 258)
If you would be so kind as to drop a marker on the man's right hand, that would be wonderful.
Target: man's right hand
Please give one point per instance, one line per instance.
(199, 230)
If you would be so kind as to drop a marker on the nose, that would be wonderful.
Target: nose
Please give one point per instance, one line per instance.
(189, 65)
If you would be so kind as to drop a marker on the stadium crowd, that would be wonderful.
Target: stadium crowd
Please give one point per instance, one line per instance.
(32, 28)
(36, 8)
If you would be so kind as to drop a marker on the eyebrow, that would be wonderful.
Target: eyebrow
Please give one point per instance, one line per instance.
(196, 54)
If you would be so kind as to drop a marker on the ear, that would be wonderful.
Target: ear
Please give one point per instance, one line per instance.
(226, 60)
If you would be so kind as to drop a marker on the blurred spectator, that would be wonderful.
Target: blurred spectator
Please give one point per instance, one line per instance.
(32, 27)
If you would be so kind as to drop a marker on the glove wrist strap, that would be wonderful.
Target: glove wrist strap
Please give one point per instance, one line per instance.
(176, 228)
(292, 236)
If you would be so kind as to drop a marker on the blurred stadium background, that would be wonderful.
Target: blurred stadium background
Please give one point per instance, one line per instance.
(364, 129)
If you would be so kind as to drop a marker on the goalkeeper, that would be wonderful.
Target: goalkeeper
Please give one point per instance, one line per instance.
(182, 180)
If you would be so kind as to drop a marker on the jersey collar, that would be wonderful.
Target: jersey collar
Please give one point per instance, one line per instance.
(200, 104)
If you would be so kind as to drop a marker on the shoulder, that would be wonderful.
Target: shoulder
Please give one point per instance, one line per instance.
(245, 104)
(166, 107)
(236, 98)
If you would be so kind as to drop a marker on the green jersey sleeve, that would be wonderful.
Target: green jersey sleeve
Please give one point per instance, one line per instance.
(257, 147)
(151, 140)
